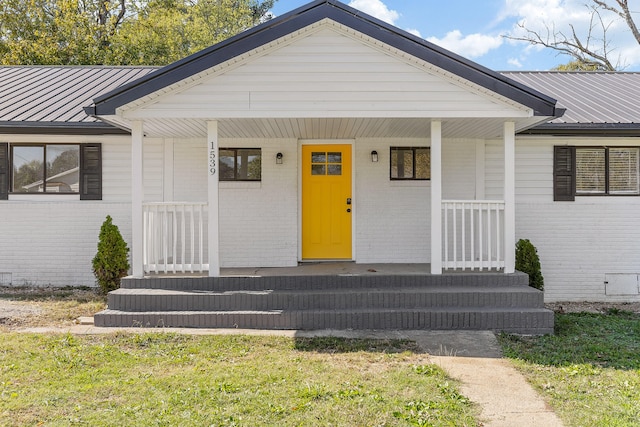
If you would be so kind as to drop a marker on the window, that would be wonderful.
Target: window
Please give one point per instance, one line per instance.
(596, 171)
(45, 168)
(51, 169)
(326, 163)
(240, 164)
(410, 163)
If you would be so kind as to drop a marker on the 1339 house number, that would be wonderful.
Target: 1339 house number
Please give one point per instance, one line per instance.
(212, 159)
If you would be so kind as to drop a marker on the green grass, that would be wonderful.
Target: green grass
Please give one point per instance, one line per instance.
(167, 379)
(589, 371)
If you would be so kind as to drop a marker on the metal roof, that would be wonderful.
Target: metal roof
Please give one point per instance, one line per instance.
(51, 98)
(593, 100)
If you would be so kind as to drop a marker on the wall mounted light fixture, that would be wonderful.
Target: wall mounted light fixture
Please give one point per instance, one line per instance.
(374, 156)
(279, 157)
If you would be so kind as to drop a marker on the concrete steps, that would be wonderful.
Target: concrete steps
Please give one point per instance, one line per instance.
(454, 301)
(527, 321)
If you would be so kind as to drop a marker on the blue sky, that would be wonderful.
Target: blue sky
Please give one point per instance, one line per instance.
(475, 28)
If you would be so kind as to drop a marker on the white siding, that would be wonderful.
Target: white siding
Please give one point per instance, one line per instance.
(153, 167)
(190, 170)
(458, 169)
(494, 170)
(327, 73)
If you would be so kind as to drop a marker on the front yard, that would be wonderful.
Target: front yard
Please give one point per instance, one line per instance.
(589, 372)
(169, 379)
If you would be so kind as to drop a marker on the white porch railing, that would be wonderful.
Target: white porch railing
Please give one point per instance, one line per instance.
(175, 237)
(473, 234)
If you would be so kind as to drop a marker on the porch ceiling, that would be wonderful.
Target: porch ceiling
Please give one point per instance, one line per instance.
(333, 128)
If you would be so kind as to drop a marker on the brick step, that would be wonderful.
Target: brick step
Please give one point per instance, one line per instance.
(525, 321)
(143, 300)
(319, 282)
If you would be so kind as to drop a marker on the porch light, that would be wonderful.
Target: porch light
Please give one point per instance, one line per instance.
(374, 156)
(279, 157)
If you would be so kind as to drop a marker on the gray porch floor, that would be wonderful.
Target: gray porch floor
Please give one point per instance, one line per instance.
(335, 268)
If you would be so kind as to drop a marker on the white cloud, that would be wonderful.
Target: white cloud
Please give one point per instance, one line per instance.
(515, 62)
(377, 9)
(470, 46)
(414, 32)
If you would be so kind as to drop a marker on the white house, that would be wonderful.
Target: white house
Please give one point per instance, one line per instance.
(325, 134)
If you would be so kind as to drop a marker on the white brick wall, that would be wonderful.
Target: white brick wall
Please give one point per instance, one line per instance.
(258, 220)
(53, 242)
(578, 242)
(392, 217)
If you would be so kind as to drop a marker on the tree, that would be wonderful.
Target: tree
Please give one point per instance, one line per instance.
(527, 261)
(27, 174)
(576, 66)
(62, 32)
(122, 32)
(111, 262)
(591, 51)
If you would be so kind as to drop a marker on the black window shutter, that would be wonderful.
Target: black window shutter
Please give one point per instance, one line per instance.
(564, 174)
(90, 171)
(4, 171)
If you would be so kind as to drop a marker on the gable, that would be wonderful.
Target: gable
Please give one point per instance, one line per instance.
(278, 29)
(324, 70)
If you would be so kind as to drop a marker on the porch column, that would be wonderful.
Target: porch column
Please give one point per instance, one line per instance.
(213, 199)
(137, 196)
(509, 197)
(436, 197)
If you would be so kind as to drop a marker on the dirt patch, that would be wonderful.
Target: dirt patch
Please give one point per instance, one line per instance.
(12, 311)
(47, 306)
(593, 307)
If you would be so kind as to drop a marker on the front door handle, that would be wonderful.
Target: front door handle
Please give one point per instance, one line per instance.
(348, 200)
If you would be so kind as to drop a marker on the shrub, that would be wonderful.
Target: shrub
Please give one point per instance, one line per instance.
(111, 263)
(528, 262)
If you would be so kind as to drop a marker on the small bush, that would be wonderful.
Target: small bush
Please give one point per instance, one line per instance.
(528, 262)
(111, 263)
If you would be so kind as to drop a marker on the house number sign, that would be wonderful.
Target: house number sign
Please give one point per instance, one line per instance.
(212, 159)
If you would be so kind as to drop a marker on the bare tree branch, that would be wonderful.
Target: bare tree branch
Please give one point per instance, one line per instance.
(624, 13)
(592, 50)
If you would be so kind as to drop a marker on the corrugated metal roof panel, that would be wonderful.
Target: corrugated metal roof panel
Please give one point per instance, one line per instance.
(57, 94)
(589, 98)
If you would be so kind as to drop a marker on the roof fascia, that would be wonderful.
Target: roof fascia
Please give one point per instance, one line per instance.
(585, 129)
(542, 105)
(44, 128)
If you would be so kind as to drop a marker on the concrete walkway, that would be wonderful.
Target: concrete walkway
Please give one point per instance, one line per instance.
(472, 357)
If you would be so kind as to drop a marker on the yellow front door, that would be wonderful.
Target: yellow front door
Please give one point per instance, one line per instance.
(326, 201)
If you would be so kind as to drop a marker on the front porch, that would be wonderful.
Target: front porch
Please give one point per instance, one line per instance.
(175, 241)
(332, 296)
(373, 146)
